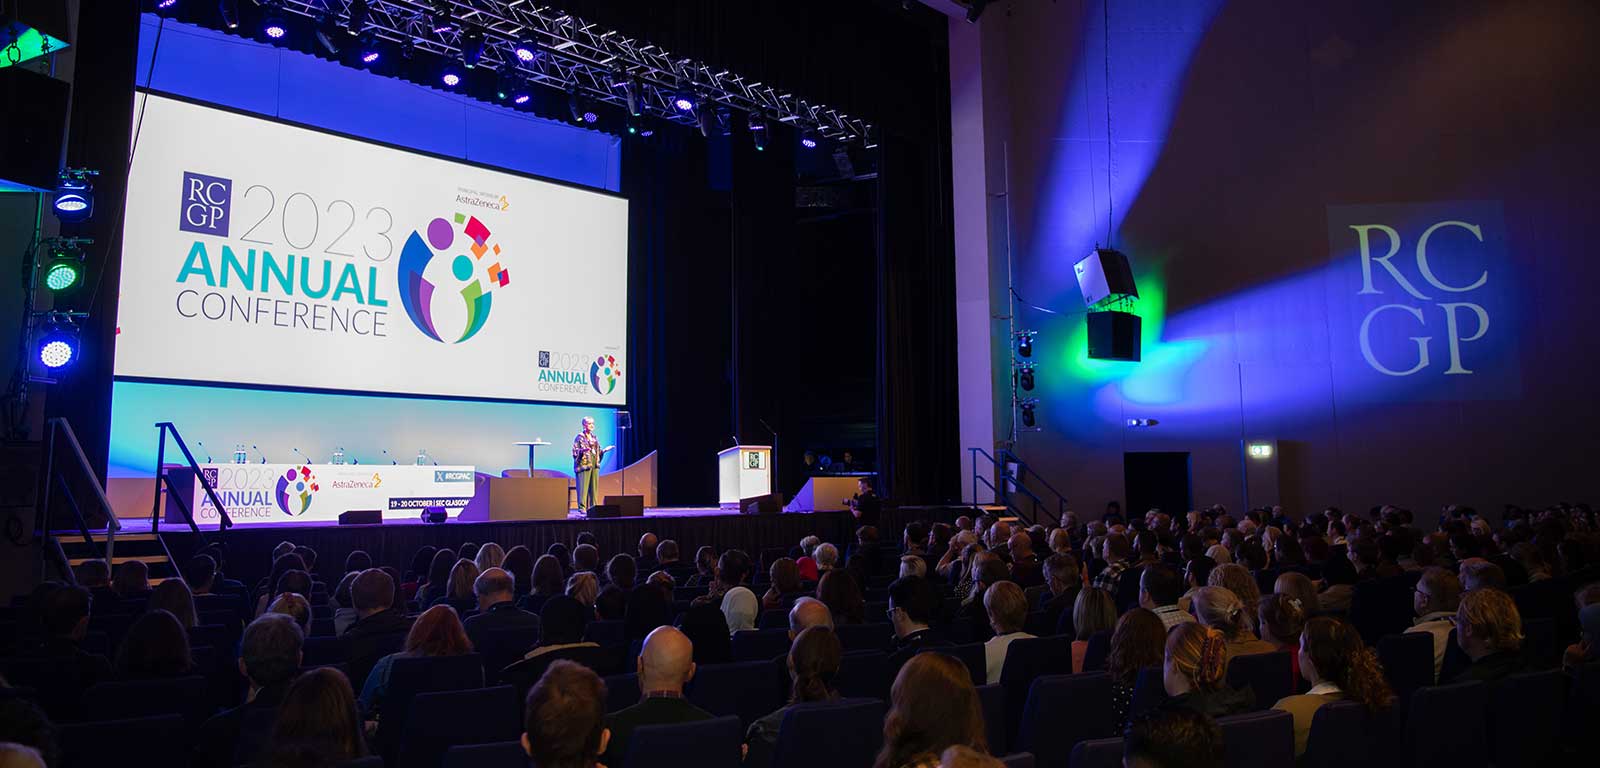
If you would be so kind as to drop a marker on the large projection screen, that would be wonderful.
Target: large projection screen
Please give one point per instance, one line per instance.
(259, 253)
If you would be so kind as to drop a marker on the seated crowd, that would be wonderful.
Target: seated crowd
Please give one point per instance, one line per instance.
(1186, 621)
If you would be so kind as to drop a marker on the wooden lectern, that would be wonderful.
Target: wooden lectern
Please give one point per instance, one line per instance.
(743, 472)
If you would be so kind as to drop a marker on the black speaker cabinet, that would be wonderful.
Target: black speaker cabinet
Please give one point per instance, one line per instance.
(631, 506)
(599, 511)
(1104, 274)
(770, 504)
(35, 126)
(361, 517)
(1113, 336)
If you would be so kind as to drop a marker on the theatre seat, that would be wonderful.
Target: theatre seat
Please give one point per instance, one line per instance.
(411, 676)
(749, 689)
(1097, 753)
(1269, 675)
(162, 740)
(440, 720)
(1258, 740)
(847, 732)
(503, 754)
(1524, 717)
(760, 644)
(622, 691)
(1445, 726)
(1062, 710)
(715, 743)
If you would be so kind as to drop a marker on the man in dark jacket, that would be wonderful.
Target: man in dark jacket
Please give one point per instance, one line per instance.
(1062, 585)
(665, 665)
(912, 603)
(497, 609)
(377, 625)
(269, 657)
(1489, 630)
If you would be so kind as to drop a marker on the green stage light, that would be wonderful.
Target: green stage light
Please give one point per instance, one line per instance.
(62, 275)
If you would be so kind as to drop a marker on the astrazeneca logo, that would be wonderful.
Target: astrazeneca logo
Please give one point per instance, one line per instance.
(603, 374)
(205, 204)
(295, 490)
(416, 291)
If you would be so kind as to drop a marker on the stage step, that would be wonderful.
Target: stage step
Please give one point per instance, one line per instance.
(147, 548)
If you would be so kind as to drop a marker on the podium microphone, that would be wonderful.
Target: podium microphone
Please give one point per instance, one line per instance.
(391, 458)
(306, 458)
(258, 451)
(202, 446)
(735, 439)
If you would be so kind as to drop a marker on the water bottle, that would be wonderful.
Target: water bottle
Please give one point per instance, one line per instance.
(338, 456)
(422, 458)
(239, 454)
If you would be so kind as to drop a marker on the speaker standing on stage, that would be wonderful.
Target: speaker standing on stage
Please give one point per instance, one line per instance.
(586, 457)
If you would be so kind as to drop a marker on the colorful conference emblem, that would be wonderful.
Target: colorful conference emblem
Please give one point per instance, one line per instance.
(295, 490)
(603, 374)
(416, 291)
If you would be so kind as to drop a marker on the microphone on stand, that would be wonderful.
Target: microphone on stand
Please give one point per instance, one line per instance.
(304, 457)
(391, 458)
(735, 439)
(202, 446)
(258, 451)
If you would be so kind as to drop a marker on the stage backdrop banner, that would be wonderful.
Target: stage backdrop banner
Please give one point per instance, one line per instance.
(261, 253)
(256, 494)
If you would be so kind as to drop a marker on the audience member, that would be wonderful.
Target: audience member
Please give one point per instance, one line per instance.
(1196, 574)
(1478, 573)
(547, 583)
(705, 565)
(1236, 579)
(1587, 649)
(621, 575)
(174, 597)
(649, 606)
(564, 718)
(25, 725)
(1194, 673)
(913, 601)
(1115, 550)
(200, 573)
(132, 579)
(1138, 642)
(496, 591)
(562, 624)
(740, 607)
(966, 757)
(826, 557)
(707, 628)
(813, 662)
(1173, 738)
(1435, 600)
(1221, 609)
(469, 550)
(584, 587)
(1339, 579)
(1008, 612)
(295, 607)
(156, 647)
(318, 714)
(839, 591)
(785, 589)
(987, 570)
(933, 706)
(437, 632)
(14, 755)
(1489, 631)
(437, 585)
(459, 595)
(647, 560)
(913, 565)
(1338, 666)
(1094, 612)
(519, 563)
(269, 658)
(1281, 622)
(665, 666)
(1299, 587)
(585, 557)
(377, 622)
(1160, 588)
(1026, 570)
(1062, 583)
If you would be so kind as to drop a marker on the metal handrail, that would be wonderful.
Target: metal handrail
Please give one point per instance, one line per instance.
(224, 522)
(1014, 483)
(49, 478)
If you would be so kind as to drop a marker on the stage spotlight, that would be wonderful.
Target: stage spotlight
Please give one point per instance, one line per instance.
(683, 101)
(579, 107)
(471, 48)
(370, 48)
(707, 117)
(1025, 377)
(162, 5)
(632, 91)
(808, 140)
(450, 75)
(525, 50)
(758, 133)
(328, 34)
(273, 24)
(1025, 343)
(1028, 418)
(357, 22)
(521, 93)
(229, 11)
(64, 269)
(442, 18)
(58, 345)
(74, 197)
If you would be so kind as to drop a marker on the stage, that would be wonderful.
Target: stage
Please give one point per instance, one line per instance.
(394, 543)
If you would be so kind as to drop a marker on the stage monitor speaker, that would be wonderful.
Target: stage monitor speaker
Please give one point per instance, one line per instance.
(599, 511)
(631, 506)
(30, 146)
(1104, 274)
(1113, 336)
(770, 504)
(361, 517)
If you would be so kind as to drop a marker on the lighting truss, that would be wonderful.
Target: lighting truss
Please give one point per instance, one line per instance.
(597, 61)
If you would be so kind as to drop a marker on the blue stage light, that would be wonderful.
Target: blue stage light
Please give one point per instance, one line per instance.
(808, 140)
(58, 346)
(274, 27)
(165, 4)
(525, 50)
(683, 102)
(450, 76)
(74, 200)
